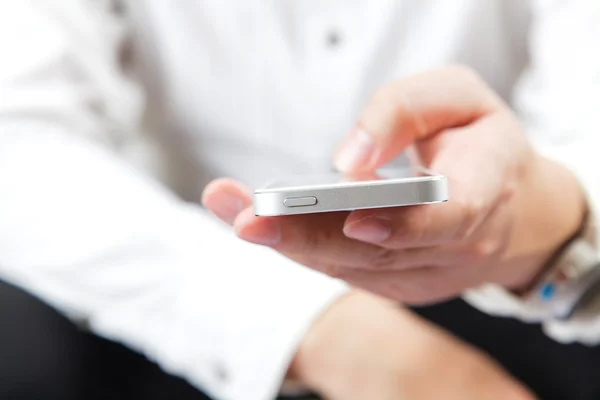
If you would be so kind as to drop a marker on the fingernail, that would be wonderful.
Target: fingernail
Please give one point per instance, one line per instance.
(369, 229)
(356, 150)
(265, 233)
(227, 206)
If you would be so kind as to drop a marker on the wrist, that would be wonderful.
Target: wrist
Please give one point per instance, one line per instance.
(550, 209)
(314, 360)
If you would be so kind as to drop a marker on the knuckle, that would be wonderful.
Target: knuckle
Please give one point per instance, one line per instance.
(480, 250)
(471, 255)
(382, 94)
(383, 259)
(465, 73)
(413, 229)
(415, 232)
(467, 76)
(313, 240)
(387, 98)
(333, 270)
(309, 244)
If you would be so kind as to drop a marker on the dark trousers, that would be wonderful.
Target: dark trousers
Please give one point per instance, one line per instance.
(553, 370)
(44, 357)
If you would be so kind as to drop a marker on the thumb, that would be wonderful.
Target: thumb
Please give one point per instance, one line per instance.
(226, 199)
(413, 109)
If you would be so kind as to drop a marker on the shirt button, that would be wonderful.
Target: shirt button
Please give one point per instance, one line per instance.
(333, 39)
(220, 373)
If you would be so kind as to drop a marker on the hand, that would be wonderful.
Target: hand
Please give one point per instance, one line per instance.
(363, 347)
(509, 207)
(366, 347)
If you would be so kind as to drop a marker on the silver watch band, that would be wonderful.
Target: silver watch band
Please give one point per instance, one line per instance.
(571, 284)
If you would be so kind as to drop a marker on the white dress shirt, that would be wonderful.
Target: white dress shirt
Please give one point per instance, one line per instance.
(108, 109)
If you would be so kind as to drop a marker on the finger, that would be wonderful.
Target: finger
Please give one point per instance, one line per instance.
(476, 189)
(450, 227)
(226, 198)
(422, 226)
(319, 236)
(413, 109)
(317, 241)
(484, 246)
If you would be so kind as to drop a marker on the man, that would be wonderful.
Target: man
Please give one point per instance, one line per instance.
(247, 90)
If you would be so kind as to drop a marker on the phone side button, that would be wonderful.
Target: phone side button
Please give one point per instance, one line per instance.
(300, 201)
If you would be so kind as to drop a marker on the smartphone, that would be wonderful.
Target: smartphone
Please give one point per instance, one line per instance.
(336, 192)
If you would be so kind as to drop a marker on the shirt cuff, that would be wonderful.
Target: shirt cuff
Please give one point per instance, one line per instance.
(264, 313)
(287, 325)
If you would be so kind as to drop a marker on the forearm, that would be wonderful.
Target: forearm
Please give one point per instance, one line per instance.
(371, 348)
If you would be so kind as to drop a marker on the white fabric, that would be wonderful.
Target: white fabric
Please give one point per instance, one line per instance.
(247, 89)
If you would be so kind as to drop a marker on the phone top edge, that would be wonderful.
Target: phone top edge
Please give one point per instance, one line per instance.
(427, 178)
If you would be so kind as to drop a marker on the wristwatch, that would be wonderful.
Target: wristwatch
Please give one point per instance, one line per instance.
(572, 278)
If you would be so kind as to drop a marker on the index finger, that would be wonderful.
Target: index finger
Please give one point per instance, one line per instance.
(413, 109)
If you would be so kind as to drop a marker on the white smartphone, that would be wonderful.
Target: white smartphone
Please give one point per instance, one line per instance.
(334, 192)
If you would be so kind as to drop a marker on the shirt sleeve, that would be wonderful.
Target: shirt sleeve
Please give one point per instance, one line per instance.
(557, 100)
(108, 245)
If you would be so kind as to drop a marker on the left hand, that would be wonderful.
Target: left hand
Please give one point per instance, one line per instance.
(363, 347)
(509, 209)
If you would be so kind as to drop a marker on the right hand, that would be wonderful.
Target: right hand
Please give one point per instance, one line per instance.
(364, 348)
